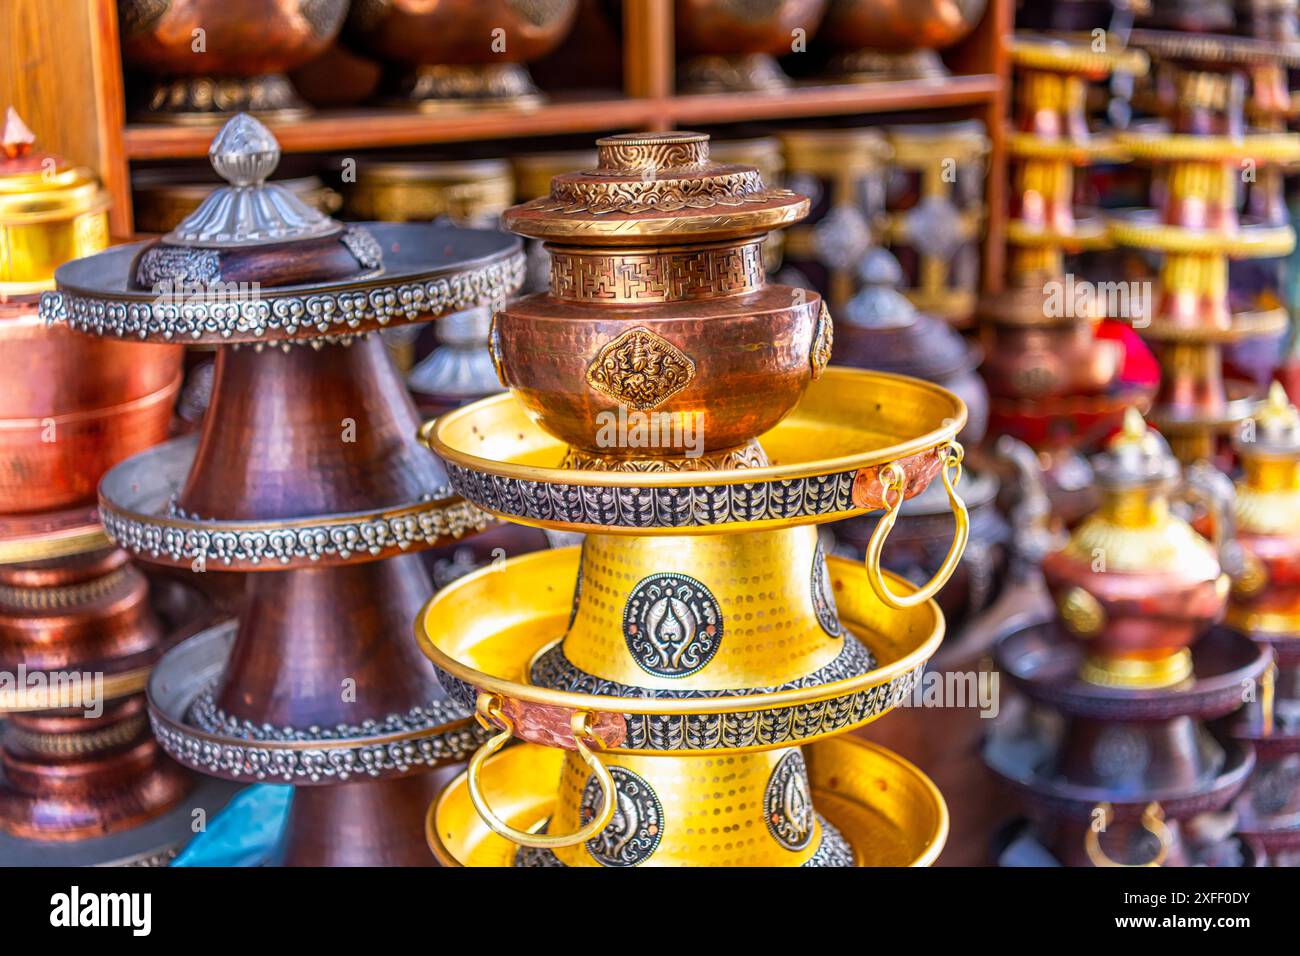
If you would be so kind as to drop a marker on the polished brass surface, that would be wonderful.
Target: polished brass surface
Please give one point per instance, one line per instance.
(825, 434)
(488, 628)
(886, 809)
(469, 192)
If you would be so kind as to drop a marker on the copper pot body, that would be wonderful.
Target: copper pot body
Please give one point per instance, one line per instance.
(729, 27)
(240, 37)
(1048, 361)
(750, 355)
(459, 32)
(72, 407)
(900, 25)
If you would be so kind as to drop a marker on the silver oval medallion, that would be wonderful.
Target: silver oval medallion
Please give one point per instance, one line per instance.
(672, 625)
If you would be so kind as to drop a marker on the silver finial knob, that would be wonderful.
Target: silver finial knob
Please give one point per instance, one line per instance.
(245, 152)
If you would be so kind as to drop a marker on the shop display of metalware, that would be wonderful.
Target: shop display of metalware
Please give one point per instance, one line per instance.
(706, 631)
(1197, 230)
(896, 39)
(935, 214)
(162, 197)
(842, 172)
(466, 54)
(1265, 606)
(307, 472)
(1053, 383)
(82, 780)
(201, 60)
(1114, 755)
(731, 46)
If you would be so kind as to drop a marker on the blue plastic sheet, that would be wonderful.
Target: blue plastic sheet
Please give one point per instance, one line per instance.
(245, 832)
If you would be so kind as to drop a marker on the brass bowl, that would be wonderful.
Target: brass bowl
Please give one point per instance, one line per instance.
(485, 630)
(888, 811)
(469, 192)
(826, 458)
(900, 26)
(247, 46)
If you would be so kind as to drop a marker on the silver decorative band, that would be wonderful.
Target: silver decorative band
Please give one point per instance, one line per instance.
(655, 506)
(763, 728)
(307, 759)
(179, 540)
(276, 315)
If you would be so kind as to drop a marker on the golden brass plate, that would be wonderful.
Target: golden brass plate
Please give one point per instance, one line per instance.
(486, 628)
(889, 812)
(826, 456)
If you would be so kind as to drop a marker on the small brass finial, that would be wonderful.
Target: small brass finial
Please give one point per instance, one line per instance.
(17, 139)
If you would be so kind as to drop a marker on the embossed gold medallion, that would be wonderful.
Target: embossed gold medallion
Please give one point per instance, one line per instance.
(640, 369)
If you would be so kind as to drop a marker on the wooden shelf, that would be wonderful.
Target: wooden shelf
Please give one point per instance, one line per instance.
(838, 99)
(381, 128)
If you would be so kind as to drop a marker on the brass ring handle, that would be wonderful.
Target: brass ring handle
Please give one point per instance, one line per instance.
(580, 723)
(1153, 821)
(893, 479)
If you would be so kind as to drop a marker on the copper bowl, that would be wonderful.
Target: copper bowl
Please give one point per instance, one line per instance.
(731, 27)
(899, 26)
(240, 37)
(750, 353)
(417, 32)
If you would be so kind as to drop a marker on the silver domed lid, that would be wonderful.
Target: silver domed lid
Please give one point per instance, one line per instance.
(249, 211)
(1272, 430)
(1136, 457)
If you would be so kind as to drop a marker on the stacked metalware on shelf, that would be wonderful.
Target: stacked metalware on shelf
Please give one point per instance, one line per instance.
(82, 780)
(307, 478)
(683, 680)
(1054, 384)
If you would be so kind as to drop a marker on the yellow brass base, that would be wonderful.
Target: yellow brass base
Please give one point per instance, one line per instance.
(1138, 673)
(884, 807)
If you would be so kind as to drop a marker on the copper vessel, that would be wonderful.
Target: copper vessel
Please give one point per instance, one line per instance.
(1113, 754)
(202, 60)
(897, 39)
(307, 472)
(71, 406)
(702, 604)
(466, 54)
(542, 343)
(729, 46)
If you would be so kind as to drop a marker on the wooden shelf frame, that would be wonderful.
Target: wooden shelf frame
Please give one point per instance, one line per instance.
(64, 74)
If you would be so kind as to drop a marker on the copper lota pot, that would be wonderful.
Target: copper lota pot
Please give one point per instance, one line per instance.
(896, 39)
(70, 405)
(202, 60)
(730, 46)
(459, 54)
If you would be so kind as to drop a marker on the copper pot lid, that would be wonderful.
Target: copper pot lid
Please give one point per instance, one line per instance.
(255, 263)
(649, 188)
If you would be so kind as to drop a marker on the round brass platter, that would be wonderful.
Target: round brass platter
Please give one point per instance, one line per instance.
(825, 456)
(890, 813)
(484, 631)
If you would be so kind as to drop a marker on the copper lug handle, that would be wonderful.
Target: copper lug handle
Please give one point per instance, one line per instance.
(1153, 821)
(489, 714)
(893, 479)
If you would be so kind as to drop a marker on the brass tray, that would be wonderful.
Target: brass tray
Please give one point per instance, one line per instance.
(888, 811)
(826, 457)
(483, 631)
